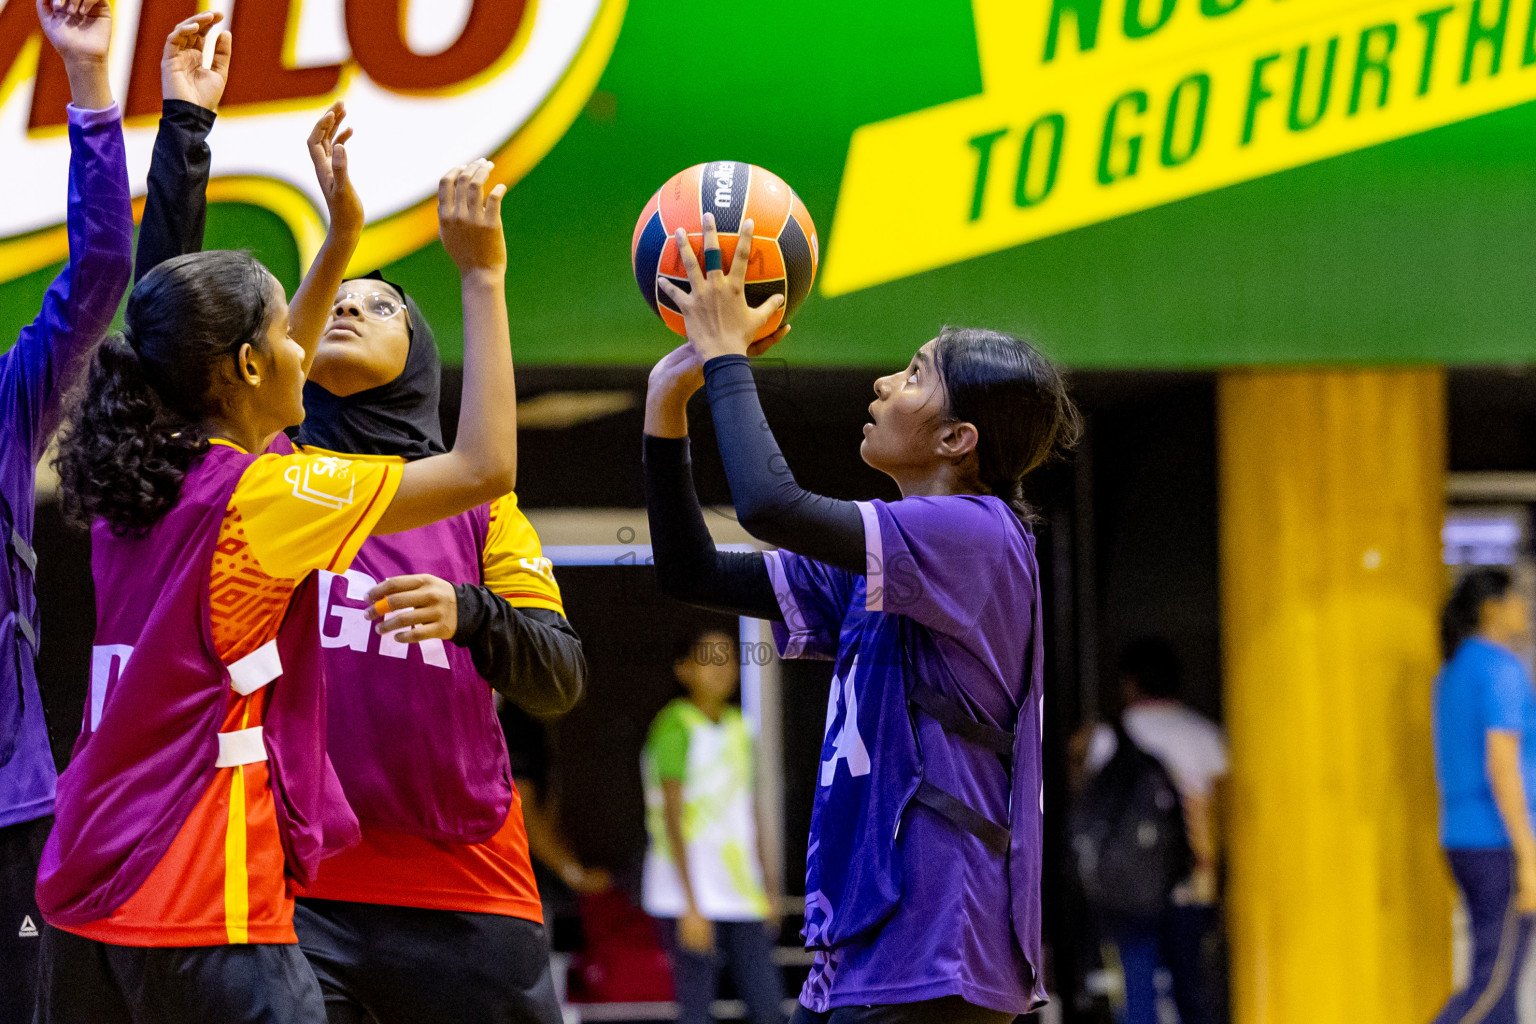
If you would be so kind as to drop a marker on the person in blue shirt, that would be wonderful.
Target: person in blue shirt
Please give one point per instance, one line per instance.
(1485, 758)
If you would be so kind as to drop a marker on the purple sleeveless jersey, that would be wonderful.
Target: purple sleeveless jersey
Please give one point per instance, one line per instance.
(149, 743)
(902, 905)
(413, 732)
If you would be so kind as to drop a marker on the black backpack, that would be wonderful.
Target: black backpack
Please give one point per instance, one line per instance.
(1129, 840)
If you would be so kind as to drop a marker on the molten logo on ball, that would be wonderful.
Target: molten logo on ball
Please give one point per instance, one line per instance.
(427, 86)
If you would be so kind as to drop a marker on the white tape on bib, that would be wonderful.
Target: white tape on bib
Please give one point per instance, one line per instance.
(243, 746)
(256, 669)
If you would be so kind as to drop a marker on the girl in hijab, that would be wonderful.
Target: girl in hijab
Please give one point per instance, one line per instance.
(436, 910)
(199, 795)
(434, 914)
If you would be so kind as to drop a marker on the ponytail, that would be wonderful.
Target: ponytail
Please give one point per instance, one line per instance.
(124, 454)
(1012, 492)
(138, 425)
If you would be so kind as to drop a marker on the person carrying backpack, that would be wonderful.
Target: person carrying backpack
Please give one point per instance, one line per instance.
(1145, 836)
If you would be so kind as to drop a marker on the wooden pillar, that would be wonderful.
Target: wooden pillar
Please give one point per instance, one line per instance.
(1332, 502)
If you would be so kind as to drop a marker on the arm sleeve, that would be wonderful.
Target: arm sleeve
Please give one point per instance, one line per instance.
(688, 566)
(667, 745)
(79, 305)
(304, 512)
(1503, 697)
(769, 503)
(176, 206)
(531, 655)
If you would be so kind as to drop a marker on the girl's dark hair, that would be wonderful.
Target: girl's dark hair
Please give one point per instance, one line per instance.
(1017, 400)
(138, 424)
(696, 645)
(1464, 611)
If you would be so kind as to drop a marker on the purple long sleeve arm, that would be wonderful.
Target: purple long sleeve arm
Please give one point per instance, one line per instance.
(79, 306)
(35, 375)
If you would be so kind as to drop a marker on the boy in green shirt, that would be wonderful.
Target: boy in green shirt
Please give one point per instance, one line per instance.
(703, 877)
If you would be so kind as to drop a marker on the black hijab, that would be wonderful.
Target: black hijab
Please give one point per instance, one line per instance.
(398, 418)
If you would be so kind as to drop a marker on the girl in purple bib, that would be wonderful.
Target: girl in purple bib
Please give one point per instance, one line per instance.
(199, 796)
(923, 871)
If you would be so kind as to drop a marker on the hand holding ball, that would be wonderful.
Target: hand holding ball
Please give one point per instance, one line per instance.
(784, 253)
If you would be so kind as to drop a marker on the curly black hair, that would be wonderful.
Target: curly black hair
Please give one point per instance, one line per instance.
(138, 425)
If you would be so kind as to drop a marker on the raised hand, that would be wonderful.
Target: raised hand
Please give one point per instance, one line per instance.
(715, 307)
(674, 379)
(81, 30)
(182, 75)
(327, 150)
(77, 28)
(469, 218)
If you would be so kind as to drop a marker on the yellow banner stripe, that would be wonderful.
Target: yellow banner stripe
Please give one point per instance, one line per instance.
(1112, 124)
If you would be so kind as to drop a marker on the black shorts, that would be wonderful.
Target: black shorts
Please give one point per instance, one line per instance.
(949, 1010)
(21, 849)
(405, 965)
(82, 981)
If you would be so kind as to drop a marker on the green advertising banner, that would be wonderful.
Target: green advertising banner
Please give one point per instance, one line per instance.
(1136, 183)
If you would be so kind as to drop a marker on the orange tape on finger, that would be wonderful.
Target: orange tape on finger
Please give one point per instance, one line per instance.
(381, 607)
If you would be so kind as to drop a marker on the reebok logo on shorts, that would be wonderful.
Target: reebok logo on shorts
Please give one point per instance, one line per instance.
(28, 929)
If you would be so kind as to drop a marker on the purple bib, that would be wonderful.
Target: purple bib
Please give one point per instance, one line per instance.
(924, 864)
(150, 742)
(413, 731)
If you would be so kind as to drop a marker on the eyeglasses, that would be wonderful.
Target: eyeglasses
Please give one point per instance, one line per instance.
(375, 305)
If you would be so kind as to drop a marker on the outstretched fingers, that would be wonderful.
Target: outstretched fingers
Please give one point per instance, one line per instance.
(322, 128)
(743, 254)
(475, 191)
(690, 262)
(679, 297)
(764, 312)
(493, 205)
(712, 245)
(223, 47)
(323, 152)
(339, 175)
(323, 135)
(189, 34)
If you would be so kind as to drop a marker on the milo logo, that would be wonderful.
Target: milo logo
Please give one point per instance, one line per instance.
(427, 86)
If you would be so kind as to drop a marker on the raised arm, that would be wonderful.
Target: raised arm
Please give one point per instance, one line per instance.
(78, 307)
(176, 206)
(688, 565)
(769, 503)
(311, 305)
(483, 463)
